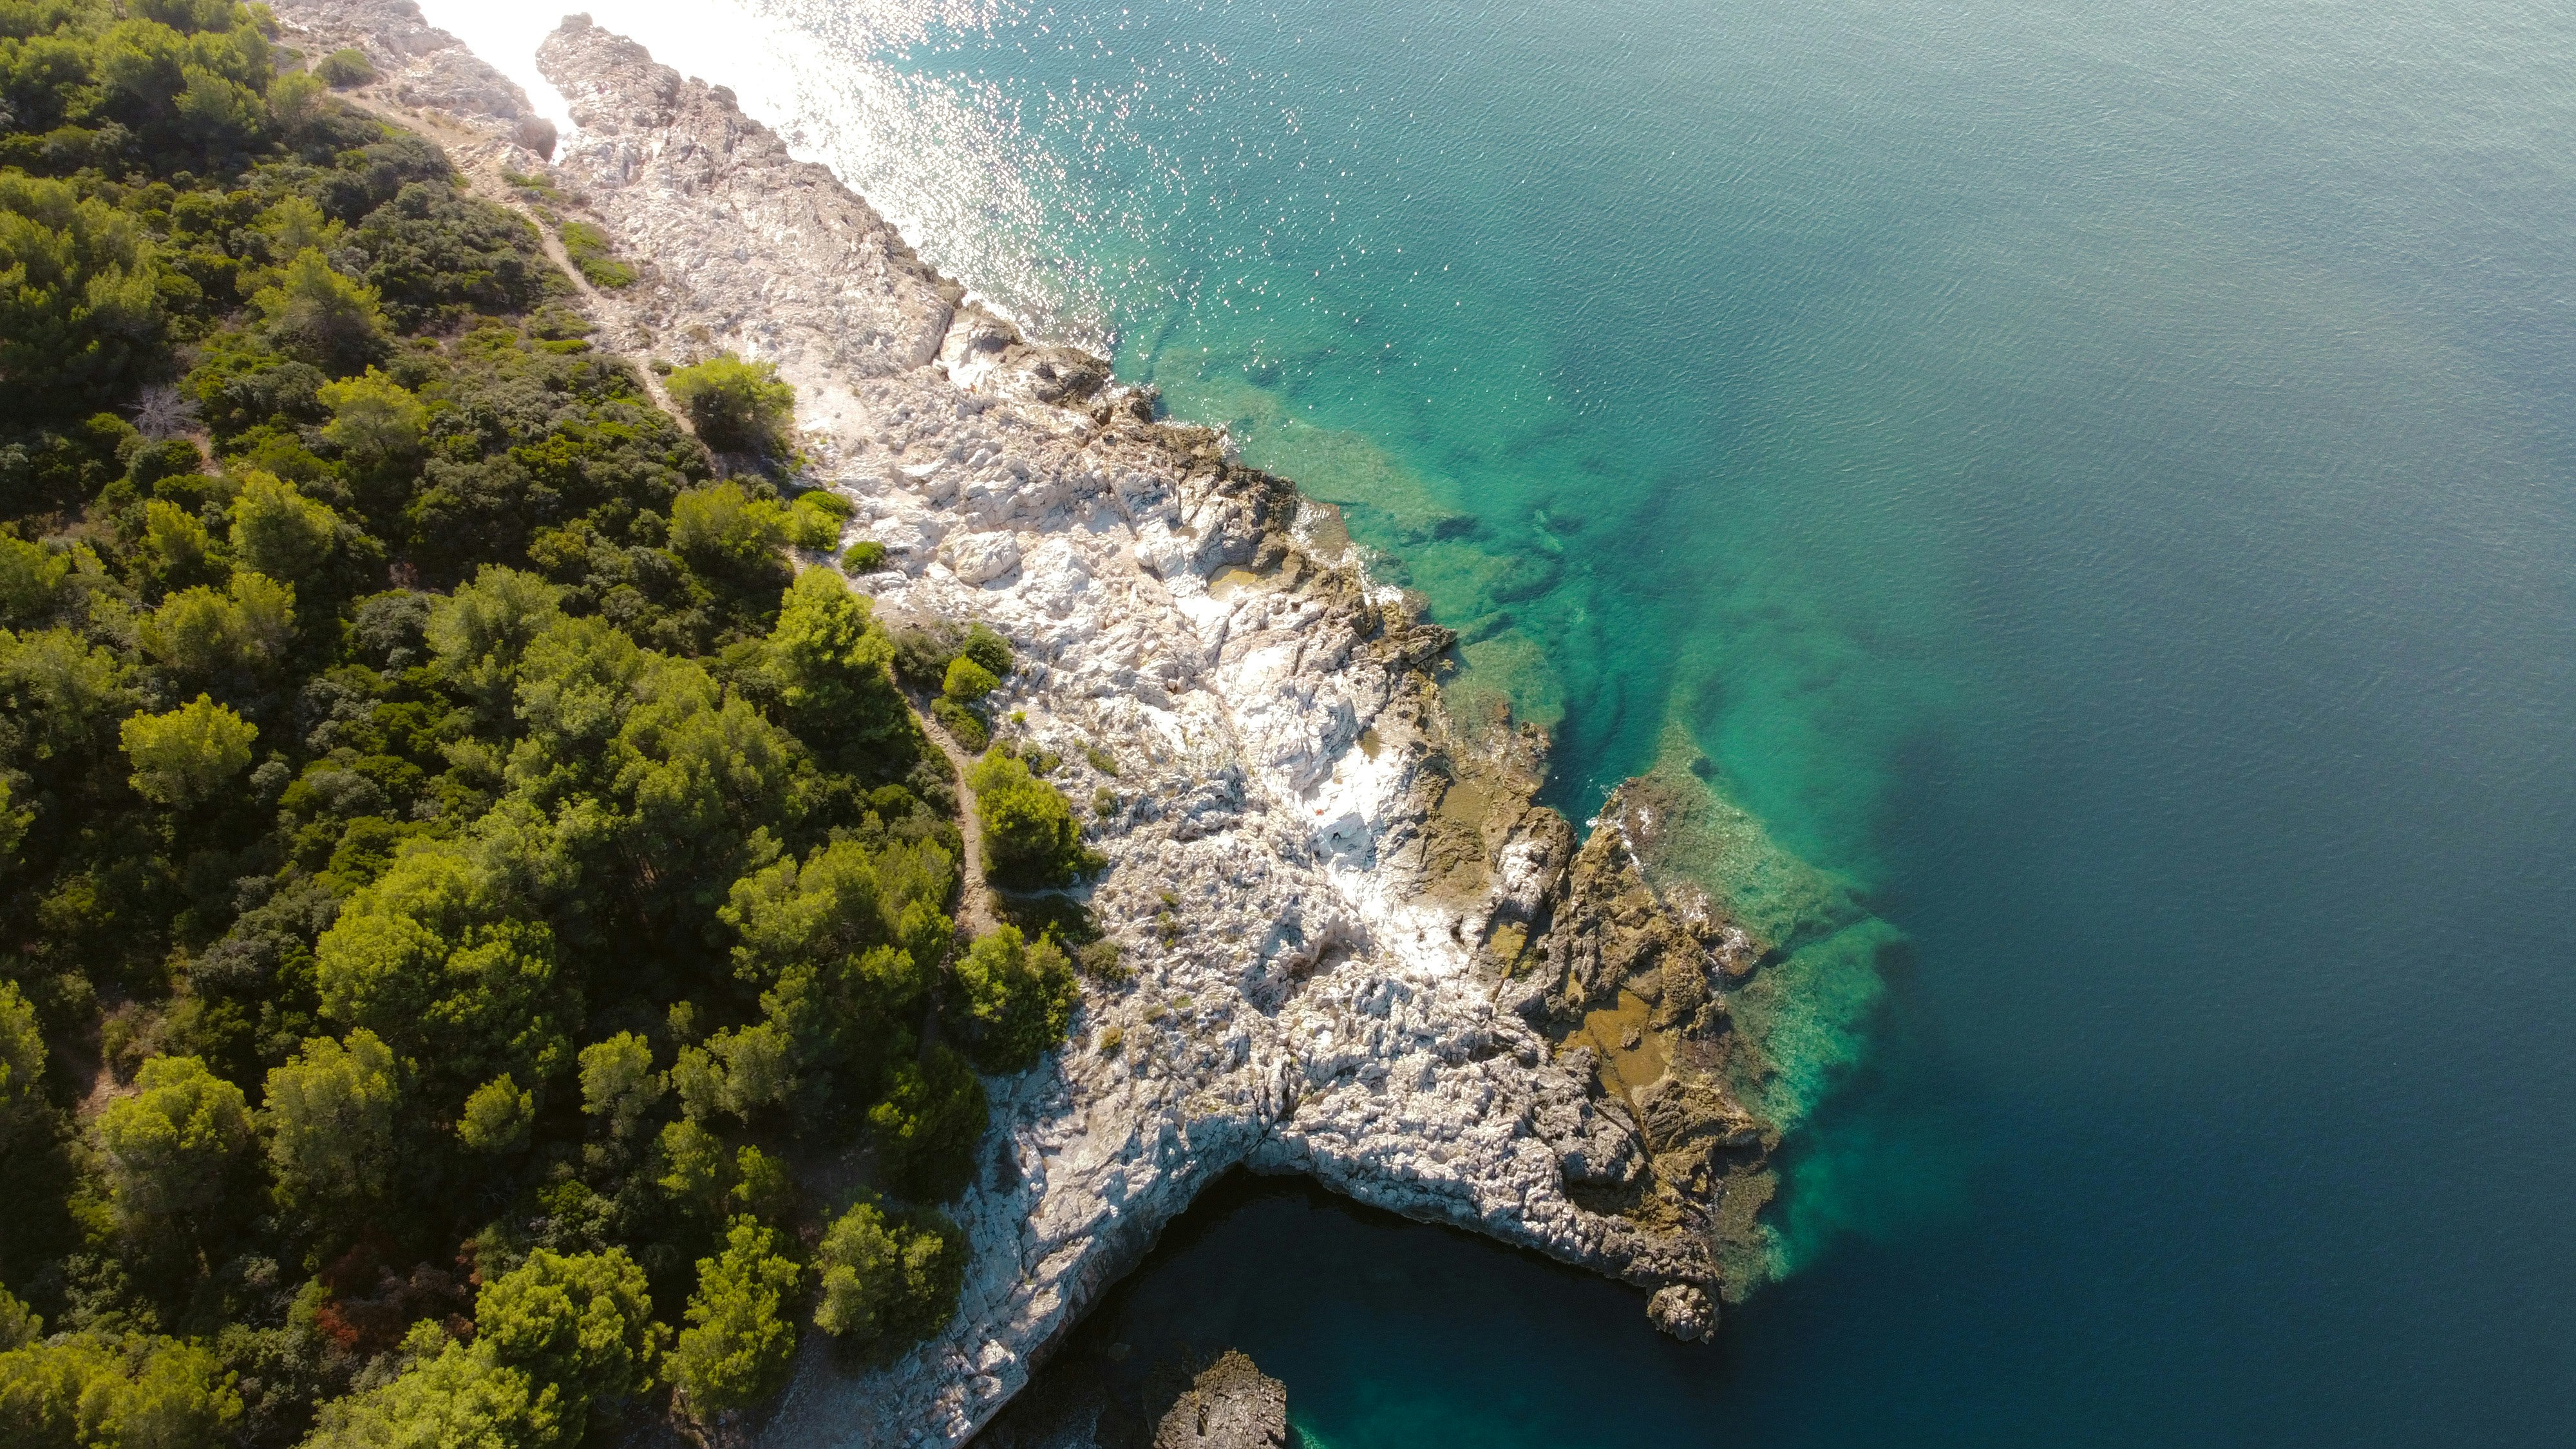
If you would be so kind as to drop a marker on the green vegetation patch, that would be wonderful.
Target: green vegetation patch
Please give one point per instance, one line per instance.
(439, 822)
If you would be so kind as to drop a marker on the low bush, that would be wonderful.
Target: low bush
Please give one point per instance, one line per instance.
(1029, 830)
(344, 68)
(736, 406)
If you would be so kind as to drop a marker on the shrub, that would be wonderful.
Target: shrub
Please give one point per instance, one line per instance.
(969, 729)
(434, 254)
(1099, 961)
(344, 68)
(987, 648)
(967, 682)
(814, 520)
(736, 406)
(587, 246)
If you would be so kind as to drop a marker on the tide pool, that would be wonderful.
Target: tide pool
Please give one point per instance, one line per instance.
(2086, 496)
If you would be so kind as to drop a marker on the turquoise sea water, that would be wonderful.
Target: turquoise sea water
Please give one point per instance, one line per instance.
(2094, 486)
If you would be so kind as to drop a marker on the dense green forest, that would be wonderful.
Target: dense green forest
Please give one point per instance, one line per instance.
(458, 872)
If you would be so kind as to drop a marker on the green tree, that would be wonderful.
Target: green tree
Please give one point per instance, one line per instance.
(1019, 994)
(497, 1116)
(723, 528)
(279, 531)
(199, 633)
(618, 1083)
(182, 758)
(436, 957)
(741, 1337)
(696, 776)
(690, 1160)
(1029, 829)
(842, 902)
(315, 315)
(170, 1152)
(22, 1061)
(331, 1112)
(31, 579)
(27, 1117)
(933, 1115)
(736, 406)
(461, 1398)
(580, 1323)
(758, 1071)
(79, 301)
(830, 659)
(19, 1325)
(375, 421)
(480, 631)
(65, 693)
(885, 1280)
(177, 545)
(88, 1391)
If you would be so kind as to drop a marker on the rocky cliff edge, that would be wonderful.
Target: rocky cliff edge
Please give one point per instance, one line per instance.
(1361, 953)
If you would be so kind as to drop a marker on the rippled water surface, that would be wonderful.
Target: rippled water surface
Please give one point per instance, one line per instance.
(2090, 484)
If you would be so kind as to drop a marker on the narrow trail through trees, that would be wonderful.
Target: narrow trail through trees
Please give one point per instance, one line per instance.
(975, 912)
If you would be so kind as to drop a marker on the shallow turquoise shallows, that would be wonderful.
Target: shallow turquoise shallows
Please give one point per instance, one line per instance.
(2100, 479)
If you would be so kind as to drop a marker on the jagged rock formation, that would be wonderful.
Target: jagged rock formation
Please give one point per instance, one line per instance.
(1358, 945)
(1234, 1405)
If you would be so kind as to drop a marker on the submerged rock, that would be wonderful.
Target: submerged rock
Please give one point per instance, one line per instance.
(1233, 1405)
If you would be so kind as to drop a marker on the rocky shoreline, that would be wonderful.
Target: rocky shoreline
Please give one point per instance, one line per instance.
(1361, 952)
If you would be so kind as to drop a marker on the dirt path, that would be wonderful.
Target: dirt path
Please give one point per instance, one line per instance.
(975, 910)
(470, 152)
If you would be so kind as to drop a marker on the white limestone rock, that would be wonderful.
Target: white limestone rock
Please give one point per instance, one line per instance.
(1308, 995)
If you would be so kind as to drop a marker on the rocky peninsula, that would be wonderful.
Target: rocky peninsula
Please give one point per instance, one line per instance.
(1360, 951)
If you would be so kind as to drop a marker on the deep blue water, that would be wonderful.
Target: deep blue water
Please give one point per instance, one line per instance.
(2097, 480)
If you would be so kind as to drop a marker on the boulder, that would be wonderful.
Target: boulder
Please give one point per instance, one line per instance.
(980, 558)
(1683, 1311)
(1233, 1405)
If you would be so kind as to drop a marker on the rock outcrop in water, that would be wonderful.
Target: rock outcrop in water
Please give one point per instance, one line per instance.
(1361, 952)
(1233, 1405)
